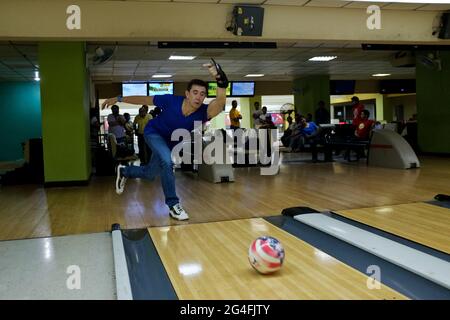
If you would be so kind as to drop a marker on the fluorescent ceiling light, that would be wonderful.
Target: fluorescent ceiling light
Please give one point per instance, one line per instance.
(323, 58)
(381, 74)
(409, 1)
(161, 76)
(182, 57)
(36, 76)
(255, 75)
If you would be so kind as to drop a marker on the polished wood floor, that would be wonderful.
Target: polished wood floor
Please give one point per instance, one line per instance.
(420, 222)
(221, 269)
(31, 211)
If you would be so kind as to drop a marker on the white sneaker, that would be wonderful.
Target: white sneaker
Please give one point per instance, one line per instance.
(120, 180)
(177, 212)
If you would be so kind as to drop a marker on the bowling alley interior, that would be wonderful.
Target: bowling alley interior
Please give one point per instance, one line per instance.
(331, 150)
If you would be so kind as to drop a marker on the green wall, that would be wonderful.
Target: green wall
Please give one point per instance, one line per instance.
(309, 91)
(20, 111)
(65, 111)
(433, 106)
(245, 112)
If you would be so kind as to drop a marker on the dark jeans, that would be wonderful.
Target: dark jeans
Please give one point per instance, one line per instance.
(160, 164)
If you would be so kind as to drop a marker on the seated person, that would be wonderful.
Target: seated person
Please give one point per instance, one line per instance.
(268, 123)
(362, 133)
(306, 132)
(294, 138)
(364, 126)
(309, 133)
(259, 117)
(285, 139)
(116, 123)
(129, 128)
(309, 128)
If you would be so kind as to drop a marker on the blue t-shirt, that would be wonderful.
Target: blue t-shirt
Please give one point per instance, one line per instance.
(172, 118)
(310, 128)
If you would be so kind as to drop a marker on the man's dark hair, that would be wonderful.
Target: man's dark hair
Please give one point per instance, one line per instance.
(197, 82)
(366, 112)
(355, 98)
(157, 111)
(234, 103)
(256, 104)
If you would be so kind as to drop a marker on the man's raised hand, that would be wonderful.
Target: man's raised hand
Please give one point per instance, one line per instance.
(212, 69)
(216, 71)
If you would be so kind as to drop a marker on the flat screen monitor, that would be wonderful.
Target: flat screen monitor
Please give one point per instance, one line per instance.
(212, 87)
(338, 87)
(159, 88)
(243, 89)
(134, 89)
(398, 86)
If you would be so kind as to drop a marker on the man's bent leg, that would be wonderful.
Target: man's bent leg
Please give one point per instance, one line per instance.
(161, 164)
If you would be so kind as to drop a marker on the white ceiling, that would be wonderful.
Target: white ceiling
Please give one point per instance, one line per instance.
(287, 62)
(139, 61)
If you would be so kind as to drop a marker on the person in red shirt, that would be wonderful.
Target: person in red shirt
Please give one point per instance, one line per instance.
(364, 126)
(358, 107)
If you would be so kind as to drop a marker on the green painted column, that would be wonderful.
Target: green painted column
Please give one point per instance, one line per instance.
(65, 112)
(246, 113)
(433, 105)
(388, 110)
(309, 91)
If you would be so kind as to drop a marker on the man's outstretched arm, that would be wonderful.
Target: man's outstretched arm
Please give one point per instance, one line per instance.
(130, 99)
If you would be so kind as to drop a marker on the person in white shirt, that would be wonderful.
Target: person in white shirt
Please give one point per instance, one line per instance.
(116, 123)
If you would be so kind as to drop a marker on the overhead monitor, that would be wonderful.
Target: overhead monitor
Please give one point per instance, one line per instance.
(243, 88)
(398, 86)
(212, 87)
(159, 88)
(134, 89)
(338, 87)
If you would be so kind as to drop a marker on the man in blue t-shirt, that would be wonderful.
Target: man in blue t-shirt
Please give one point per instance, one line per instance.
(308, 128)
(178, 112)
(305, 133)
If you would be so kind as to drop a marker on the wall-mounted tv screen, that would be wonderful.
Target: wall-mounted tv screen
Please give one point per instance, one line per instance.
(134, 89)
(338, 87)
(158, 88)
(212, 87)
(398, 86)
(243, 88)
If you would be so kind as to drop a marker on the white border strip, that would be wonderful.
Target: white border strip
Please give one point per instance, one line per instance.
(425, 265)
(123, 285)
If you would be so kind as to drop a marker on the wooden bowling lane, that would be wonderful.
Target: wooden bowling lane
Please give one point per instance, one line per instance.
(424, 223)
(209, 261)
